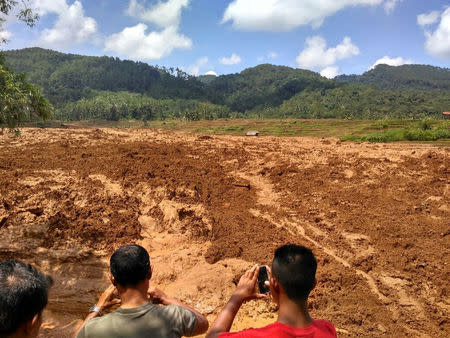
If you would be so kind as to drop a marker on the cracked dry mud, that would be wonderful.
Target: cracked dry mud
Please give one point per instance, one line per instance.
(207, 208)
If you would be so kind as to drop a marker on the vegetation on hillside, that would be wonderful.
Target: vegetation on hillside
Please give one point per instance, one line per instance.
(206, 79)
(402, 77)
(362, 102)
(126, 105)
(69, 77)
(262, 86)
(84, 87)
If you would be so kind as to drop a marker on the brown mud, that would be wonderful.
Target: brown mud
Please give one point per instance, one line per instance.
(376, 215)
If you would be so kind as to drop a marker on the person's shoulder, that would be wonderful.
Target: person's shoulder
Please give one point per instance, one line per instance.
(175, 310)
(182, 320)
(251, 332)
(325, 326)
(321, 328)
(94, 323)
(177, 314)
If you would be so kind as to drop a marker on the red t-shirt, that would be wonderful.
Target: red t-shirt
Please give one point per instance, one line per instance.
(317, 329)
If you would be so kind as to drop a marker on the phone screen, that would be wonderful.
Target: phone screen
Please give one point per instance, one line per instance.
(262, 278)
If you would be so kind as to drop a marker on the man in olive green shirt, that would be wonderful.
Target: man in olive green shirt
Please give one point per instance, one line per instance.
(138, 316)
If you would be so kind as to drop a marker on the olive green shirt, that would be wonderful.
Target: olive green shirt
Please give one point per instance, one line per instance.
(148, 320)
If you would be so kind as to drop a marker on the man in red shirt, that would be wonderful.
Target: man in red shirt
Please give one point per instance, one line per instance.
(292, 278)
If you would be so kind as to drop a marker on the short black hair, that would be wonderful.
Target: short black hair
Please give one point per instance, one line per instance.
(23, 294)
(130, 265)
(295, 267)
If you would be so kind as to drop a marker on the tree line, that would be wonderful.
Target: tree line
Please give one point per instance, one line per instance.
(362, 102)
(345, 102)
(83, 87)
(125, 105)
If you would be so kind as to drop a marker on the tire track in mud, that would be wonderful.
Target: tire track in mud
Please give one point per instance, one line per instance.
(393, 280)
(267, 196)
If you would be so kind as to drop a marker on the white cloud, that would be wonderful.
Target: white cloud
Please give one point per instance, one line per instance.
(330, 72)
(211, 72)
(386, 60)
(316, 54)
(163, 14)
(44, 7)
(284, 15)
(428, 18)
(234, 59)
(71, 27)
(196, 67)
(389, 5)
(134, 43)
(438, 42)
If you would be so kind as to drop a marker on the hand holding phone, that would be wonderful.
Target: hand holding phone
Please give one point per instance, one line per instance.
(262, 278)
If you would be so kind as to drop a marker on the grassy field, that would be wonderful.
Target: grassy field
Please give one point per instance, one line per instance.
(346, 130)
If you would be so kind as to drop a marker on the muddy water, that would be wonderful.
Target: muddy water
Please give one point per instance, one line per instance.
(207, 208)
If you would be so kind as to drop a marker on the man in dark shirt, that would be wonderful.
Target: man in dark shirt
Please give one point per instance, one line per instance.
(138, 316)
(292, 279)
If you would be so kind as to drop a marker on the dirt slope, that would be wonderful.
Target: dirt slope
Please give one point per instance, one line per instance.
(206, 208)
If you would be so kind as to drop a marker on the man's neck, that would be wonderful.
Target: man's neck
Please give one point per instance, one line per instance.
(22, 333)
(133, 297)
(293, 313)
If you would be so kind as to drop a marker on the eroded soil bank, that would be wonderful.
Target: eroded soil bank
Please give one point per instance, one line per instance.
(376, 215)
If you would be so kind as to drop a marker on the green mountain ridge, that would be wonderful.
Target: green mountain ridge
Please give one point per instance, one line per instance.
(69, 77)
(263, 85)
(402, 77)
(88, 86)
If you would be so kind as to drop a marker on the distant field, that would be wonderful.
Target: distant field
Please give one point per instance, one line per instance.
(436, 131)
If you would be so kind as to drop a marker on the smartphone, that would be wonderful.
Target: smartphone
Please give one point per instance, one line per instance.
(262, 278)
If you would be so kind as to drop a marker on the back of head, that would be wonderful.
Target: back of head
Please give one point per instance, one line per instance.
(23, 294)
(294, 267)
(130, 265)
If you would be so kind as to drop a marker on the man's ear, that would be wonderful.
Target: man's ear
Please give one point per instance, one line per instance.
(150, 272)
(113, 281)
(32, 327)
(274, 285)
(275, 289)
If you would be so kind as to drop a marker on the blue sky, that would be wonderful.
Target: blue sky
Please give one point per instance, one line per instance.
(226, 36)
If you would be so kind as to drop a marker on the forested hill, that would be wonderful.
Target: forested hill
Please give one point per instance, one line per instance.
(84, 87)
(68, 77)
(263, 85)
(402, 77)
